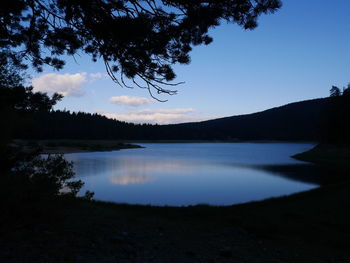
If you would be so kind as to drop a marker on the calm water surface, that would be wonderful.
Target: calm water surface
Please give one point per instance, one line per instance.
(180, 174)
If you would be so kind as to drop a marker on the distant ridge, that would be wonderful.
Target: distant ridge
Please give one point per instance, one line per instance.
(294, 121)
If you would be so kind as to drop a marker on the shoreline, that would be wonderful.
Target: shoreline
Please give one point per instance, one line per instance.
(309, 226)
(75, 146)
(326, 155)
(216, 141)
(63, 146)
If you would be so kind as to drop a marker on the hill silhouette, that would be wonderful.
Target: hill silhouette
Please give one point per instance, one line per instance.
(294, 121)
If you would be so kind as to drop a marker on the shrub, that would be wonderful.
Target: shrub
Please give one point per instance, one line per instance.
(36, 179)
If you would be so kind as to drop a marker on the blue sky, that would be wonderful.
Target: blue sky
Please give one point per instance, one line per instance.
(295, 54)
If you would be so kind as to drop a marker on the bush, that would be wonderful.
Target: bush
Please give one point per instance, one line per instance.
(37, 179)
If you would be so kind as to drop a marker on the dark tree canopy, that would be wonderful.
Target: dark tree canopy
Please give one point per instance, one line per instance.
(334, 91)
(17, 102)
(336, 125)
(14, 96)
(29, 178)
(138, 40)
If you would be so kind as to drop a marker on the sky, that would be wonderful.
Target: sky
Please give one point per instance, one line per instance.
(296, 54)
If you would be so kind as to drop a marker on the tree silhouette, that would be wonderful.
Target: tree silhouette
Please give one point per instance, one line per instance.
(336, 128)
(29, 178)
(136, 39)
(346, 91)
(334, 91)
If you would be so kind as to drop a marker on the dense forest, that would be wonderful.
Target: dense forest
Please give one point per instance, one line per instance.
(295, 121)
(336, 119)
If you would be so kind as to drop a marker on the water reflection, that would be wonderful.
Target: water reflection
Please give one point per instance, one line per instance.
(306, 173)
(188, 174)
(130, 179)
(302, 173)
(149, 166)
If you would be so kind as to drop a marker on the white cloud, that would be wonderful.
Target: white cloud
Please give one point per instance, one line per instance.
(130, 101)
(69, 85)
(160, 116)
(97, 75)
(166, 111)
(65, 84)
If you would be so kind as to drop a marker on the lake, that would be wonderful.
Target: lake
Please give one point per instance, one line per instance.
(182, 174)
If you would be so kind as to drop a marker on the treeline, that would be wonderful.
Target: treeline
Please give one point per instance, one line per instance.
(337, 118)
(295, 121)
(76, 125)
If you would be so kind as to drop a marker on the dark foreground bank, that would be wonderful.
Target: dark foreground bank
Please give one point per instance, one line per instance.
(307, 227)
(327, 155)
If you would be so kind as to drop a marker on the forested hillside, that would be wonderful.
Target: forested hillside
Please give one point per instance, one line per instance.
(295, 121)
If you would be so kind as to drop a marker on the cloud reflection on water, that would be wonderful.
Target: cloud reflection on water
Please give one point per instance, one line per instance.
(187, 174)
(138, 171)
(130, 179)
(151, 166)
